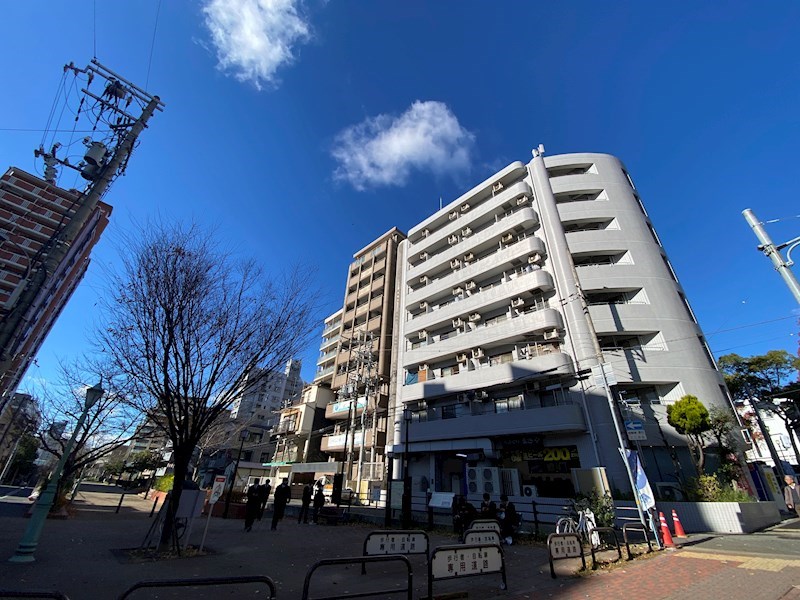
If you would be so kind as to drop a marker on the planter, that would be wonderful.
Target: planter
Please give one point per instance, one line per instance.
(718, 517)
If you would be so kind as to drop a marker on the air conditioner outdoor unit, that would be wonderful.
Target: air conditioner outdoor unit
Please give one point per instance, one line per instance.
(426, 232)
(497, 187)
(535, 259)
(464, 208)
(458, 291)
(530, 491)
(423, 306)
(470, 285)
(551, 335)
(453, 215)
(424, 279)
(423, 335)
(477, 353)
(517, 302)
(462, 358)
(475, 317)
(507, 237)
(455, 263)
(466, 231)
(458, 322)
(453, 239)
(522, 200)
(423, 256)
(482, 480)
(481, 395)
(469, 256)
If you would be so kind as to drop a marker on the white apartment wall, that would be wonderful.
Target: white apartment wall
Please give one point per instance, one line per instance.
(673, 358)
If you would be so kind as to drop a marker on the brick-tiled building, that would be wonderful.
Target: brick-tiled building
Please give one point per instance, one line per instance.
(32, 213)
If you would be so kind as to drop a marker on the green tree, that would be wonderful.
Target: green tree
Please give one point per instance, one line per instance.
(115, 466)
(689, 417)
(762, 381)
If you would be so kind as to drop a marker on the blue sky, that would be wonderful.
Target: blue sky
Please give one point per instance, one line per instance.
(303, 130)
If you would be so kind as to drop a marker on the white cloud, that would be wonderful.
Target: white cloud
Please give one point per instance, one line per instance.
(383, 150)
(253, 38)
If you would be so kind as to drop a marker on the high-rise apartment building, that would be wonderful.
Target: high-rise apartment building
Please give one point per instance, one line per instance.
(362, 361)
(261, 402)
(32, 213)
(329, 348)
(510, 298)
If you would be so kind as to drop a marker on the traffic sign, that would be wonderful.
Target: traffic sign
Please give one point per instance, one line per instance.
(219, 487)
(635, 430)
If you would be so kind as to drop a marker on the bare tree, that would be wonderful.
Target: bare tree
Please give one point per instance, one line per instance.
(110, 423)
(188, 326)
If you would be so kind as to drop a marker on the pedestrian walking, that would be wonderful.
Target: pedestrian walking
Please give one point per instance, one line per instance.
(251, 508)
(263, 495)
(791, 493)
(282, 496)
(319, 502)
(305, 502)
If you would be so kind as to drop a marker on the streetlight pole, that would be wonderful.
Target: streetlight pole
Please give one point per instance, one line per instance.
(406, 477)
(30, 539)
(243, 435)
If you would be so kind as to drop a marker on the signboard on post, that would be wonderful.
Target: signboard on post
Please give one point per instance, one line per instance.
(218, 489)
(635, 430)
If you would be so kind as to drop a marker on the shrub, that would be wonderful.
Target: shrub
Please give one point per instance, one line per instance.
(602, 506)
(164, 483)
(709, 488)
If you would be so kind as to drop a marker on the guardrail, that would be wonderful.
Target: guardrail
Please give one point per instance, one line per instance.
(409, 589)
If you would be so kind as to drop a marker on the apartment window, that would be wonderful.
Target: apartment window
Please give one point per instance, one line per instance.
(581, 196)
(641, 205)
(590, 225)
(564, 170)
(669, 268)
(653, 233)
(628, 177)
(610, 258)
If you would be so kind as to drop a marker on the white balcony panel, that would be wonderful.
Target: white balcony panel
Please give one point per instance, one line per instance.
(551, 419)
(487, 265)
(485, 300)
(485, 207)
(509, 331)
(487, 376)
(525, 217)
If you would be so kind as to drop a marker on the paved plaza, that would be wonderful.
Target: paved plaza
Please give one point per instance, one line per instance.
(79, 557)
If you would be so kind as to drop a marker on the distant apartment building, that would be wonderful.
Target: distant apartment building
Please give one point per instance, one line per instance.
(362, 363)
(32, 213)
(267, 394)
(18, 416)
(329, 348)
(510, 298)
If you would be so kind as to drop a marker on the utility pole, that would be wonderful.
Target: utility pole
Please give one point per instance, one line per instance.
(773, 252)
(101, 165)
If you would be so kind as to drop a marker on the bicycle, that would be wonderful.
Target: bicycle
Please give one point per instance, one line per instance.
(584, 526)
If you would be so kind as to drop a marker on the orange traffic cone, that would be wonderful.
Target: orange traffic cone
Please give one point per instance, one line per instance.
(676, 523)
(665, 534)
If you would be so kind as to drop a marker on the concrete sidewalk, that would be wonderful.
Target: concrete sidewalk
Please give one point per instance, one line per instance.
(75, 556)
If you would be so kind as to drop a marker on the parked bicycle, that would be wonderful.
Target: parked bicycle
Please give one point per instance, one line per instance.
(581, 521)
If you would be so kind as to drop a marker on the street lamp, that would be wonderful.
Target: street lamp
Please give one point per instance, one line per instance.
(30, 539)
(406, 506)
(243, 436)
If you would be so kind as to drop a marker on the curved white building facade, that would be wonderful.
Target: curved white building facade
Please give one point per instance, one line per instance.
(508, 297)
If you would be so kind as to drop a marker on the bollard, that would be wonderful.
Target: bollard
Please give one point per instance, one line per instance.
(155, 503)
(121, 498)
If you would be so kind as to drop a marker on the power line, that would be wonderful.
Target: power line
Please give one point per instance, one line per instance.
(152, 45)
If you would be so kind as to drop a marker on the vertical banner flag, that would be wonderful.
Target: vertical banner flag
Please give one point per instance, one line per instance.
(642, 485)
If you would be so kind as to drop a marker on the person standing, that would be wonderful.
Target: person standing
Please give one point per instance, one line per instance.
(282, 496)
(251, 508)
(509, 519)
(791, 494)
(263, 495)
(319, 502)
(302, 517)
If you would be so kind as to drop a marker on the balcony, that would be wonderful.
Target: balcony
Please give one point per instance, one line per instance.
(336, 442)
(565, 418)
(340, 410)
